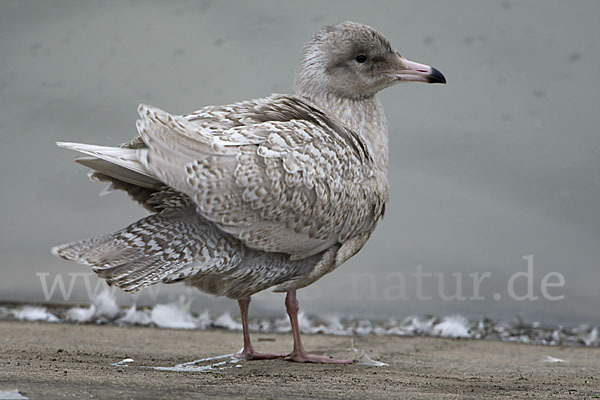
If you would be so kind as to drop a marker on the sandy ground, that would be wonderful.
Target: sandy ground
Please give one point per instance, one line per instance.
(52, 361)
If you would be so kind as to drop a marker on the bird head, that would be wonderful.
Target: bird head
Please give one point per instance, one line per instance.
(352, 60)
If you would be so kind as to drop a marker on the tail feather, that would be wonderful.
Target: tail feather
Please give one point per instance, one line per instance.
(74, 251)
(127, 158)
(120, 173)
(171, 245)
(118, 162)
(174, 243)
(137, 274)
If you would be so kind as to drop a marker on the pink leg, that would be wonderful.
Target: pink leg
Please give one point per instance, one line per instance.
(299, 354)
(248, 352)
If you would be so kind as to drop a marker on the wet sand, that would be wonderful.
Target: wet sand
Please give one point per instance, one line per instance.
(51, 361)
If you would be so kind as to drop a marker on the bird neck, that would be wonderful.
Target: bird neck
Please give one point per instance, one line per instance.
(365, 116)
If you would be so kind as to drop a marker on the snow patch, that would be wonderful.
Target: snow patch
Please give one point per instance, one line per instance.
(30, 313)
(328, 324)
(364, 327)
(417, 324)
(263, 325)
(177, 315)
(103, 307)
(592, 339)
(173, 315)
(134, 317)
(303, 323)
(106, 306)
(227, 322)
(454, 326)
(203, 321)
(80, 314)
(333, 325)
(282, 325)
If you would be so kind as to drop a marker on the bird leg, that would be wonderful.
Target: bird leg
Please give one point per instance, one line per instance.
(299, 354)
(248, 352)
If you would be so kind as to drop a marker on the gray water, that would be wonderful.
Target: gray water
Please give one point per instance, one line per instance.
(499, 164)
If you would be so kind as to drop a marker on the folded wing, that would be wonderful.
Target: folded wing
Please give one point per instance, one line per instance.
(282, 177)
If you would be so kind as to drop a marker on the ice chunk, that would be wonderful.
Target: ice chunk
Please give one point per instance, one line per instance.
(12, 395)
(123, 362)
(550, 359)
(364, 359)
(225, 361)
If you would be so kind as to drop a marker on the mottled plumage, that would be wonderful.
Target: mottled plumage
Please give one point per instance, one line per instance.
(272, 181)
(267, 193)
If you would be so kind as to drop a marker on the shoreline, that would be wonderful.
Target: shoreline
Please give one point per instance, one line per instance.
(45, 360)
(177, 315)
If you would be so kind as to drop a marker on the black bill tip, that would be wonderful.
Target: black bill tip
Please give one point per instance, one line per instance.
(436, 76)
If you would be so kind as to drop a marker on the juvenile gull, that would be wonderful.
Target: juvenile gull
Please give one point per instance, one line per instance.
(268, 193)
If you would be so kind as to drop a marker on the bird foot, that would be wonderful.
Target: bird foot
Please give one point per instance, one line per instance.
(253, 355)
(311, 358)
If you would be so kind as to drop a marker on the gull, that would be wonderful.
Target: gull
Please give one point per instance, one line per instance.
(272, 193)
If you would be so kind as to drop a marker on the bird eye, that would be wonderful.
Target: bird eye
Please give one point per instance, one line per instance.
(361, 58)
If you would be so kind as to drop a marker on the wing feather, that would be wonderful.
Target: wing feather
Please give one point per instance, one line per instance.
(276, 173)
